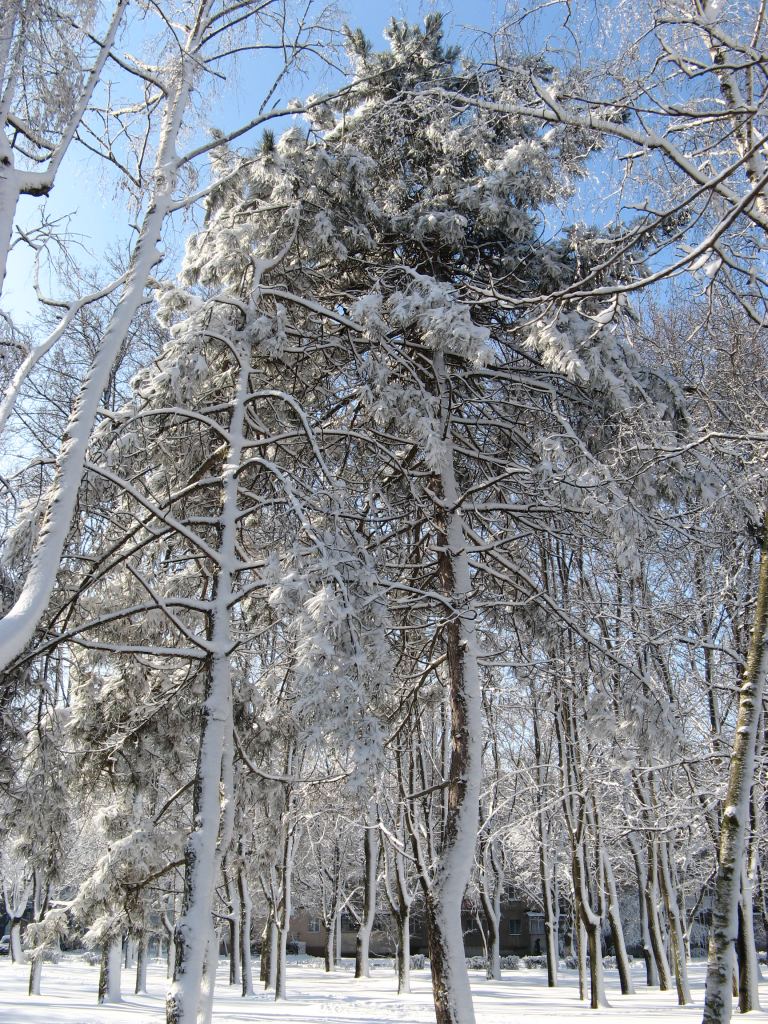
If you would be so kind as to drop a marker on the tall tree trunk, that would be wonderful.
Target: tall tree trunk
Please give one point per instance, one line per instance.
(746, 952)
(450, 981)
(233, 927)
(654, 924)
(617, 932)
(491, 884)
(676, 930)
(35, 974)
(403, 953)
(733, 829)
(141, 964)
(244, 932)
(596, 980)
(16, 948)
(492, 913)
(641, 873)
(330, 943)
(551, 922)
(110, 971)
(284, 910)
(213, 797)
(371, 863)
(169, 927)
(581, 952)
(592, 924)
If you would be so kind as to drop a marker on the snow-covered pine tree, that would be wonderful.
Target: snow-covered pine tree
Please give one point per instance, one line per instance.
(392, 263)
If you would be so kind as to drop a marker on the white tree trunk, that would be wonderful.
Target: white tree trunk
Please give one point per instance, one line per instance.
(35, 974)
(403, 954)
(214, 803)
(111, 971)
(16, 948)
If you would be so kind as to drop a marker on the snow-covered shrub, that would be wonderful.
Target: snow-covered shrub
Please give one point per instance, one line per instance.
(535, 961)
(510, 963)
(418, 962)
(477, 963)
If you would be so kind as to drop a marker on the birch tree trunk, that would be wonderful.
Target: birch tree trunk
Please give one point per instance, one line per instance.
(733, 829)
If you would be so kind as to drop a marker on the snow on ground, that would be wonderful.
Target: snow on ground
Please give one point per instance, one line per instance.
(69, 997)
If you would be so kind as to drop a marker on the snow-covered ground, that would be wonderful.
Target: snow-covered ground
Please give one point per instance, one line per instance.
(69, 997)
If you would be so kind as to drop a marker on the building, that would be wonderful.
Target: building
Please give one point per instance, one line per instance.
(522, 932)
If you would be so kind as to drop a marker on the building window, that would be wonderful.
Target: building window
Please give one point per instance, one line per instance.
(514, 925)
(314, 924)
(536, 925)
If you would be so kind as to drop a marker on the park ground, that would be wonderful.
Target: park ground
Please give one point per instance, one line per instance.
(69, 997)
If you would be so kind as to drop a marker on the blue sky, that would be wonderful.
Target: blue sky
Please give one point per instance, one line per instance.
(86, 196)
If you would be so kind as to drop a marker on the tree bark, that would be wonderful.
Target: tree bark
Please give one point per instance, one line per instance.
(244, 933)
(371, 862)
(676, 929)
(403, 953)
(654, 924)
(110, 971)
(16, 948)
(141, 964)
(233, 926)
(617, 932)
(450, 981)
(733, 829)
(641, 872)
(35, 974)
(746, 950)
(213, 796)
(283, 916)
